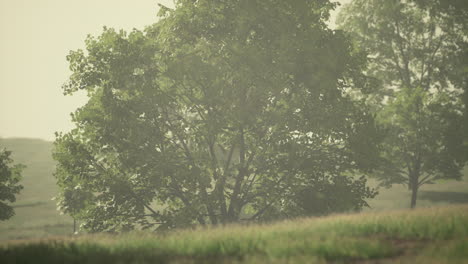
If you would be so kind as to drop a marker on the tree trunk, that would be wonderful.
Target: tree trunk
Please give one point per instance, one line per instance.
(209, 206)
(234, 206)
(74, 225)
(414, 195)
(414, 186)
(414, 174)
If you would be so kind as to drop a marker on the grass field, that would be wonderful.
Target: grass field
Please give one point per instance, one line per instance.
(428, 235)
(36, 214)
(443, 193)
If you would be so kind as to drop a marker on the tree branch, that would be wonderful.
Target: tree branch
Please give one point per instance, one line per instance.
(424, 180)
(403, 55)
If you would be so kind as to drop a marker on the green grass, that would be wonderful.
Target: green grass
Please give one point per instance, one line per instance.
(35, 212)
(442, 193)
(429, 235)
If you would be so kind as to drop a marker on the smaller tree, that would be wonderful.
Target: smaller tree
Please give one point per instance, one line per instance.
(76, 200)
(10, 175)
(415, 54)
(425, 139)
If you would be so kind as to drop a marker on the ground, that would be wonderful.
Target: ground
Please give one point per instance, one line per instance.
(425, 235)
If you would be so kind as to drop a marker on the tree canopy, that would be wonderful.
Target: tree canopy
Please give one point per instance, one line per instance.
(454, 14)
(412, 52)
(10, 175)
(221, 111)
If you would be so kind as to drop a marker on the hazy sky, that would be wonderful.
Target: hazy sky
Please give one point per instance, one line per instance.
(36, 36)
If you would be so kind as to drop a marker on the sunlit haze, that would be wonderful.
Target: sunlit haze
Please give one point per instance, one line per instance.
(36, 37)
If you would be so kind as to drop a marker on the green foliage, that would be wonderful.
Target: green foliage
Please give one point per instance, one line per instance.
(338, 195)
(219, 107)
(407, 46)
(412, 50)
(454, 15)
(10, 175)
(425, 129)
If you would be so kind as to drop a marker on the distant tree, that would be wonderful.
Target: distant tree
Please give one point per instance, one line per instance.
(425, 139)
(221, 111)
(10, 175)
(410, 52)
(74, 200)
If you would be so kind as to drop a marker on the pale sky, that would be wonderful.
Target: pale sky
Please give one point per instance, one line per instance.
(35, 38)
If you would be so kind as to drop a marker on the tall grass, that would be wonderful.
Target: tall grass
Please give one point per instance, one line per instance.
(340, 238)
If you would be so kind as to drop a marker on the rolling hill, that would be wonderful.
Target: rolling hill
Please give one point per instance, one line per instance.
(36, 214)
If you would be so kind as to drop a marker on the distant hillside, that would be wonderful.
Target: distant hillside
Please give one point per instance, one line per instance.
(36, 154)
(36, 213)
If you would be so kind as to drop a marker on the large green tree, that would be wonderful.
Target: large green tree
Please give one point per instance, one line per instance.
(221, 111)
(412, 53)
(10, 175)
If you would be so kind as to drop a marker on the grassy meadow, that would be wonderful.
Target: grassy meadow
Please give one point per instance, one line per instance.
(36, 213)
(443, 193)
(427, 235)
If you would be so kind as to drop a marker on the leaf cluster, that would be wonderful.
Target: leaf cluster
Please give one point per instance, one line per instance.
(10, 175)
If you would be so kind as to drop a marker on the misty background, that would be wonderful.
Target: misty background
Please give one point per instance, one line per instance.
(36, 38)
